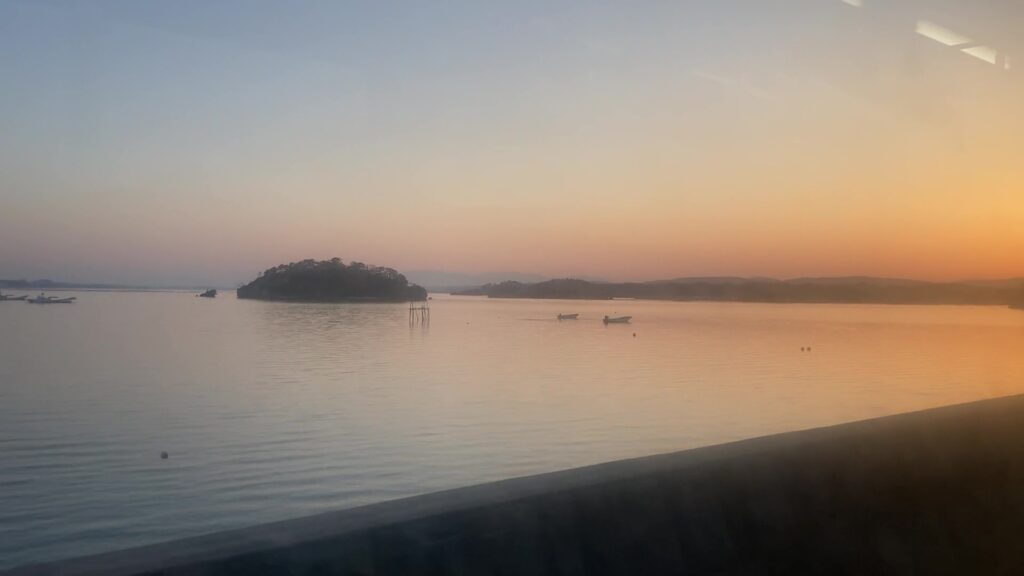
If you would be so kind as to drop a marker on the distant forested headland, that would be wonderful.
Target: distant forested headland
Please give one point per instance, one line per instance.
(331, 281)
(861, 290)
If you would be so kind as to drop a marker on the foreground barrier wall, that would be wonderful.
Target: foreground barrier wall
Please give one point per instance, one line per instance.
(934, 492)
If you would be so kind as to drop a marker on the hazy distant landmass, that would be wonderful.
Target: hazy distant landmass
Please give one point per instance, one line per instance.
(865, 290)
(331, 281)
(444, 281)
(55, 285)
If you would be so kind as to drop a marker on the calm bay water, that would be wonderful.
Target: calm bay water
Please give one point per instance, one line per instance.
(273, 410)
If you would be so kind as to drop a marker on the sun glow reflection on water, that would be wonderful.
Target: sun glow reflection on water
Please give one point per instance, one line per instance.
(272, 410)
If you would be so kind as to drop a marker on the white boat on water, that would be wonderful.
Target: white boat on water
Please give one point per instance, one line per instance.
(44, 299)
(568, 316)
(617, 319)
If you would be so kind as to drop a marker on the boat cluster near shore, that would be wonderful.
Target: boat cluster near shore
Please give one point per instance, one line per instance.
(606, 319)
(41, 299)
(44, 299)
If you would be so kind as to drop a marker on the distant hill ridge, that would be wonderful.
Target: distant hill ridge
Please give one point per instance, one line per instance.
(51, 284)
(852, 289)
(89, 286)
(443, 281)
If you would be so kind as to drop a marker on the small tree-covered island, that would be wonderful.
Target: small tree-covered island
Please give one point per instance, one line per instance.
(332, 281)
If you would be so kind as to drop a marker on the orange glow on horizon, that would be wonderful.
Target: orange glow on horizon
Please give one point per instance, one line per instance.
(860, 142)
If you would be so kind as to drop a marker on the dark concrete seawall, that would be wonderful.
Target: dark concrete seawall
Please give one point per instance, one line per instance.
(934, 492)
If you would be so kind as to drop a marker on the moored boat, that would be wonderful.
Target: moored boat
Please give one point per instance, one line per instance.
(208, 294)
(568, 316)
(617, 319)
(44, 299)
(9, 298)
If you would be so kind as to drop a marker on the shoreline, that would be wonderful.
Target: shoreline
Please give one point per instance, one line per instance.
(935, 491)
(331, 301)
(719, 301)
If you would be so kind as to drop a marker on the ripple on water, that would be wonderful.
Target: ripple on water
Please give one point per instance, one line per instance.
(271, 410)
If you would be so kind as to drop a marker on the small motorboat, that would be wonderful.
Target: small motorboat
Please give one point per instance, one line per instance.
(208, 294)
(9, 298)
(44, 299)
(568, 316)
(617, 319)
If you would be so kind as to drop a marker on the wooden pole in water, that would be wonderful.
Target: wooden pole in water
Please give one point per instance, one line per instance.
(419, 312)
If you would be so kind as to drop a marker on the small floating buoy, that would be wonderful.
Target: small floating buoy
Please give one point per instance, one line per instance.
(634, 334)
(164, 456)
(801, 348)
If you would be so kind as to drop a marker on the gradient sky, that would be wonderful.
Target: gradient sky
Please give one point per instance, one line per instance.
(194, 142)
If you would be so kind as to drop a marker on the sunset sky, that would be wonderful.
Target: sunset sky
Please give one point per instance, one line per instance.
(200, 142)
